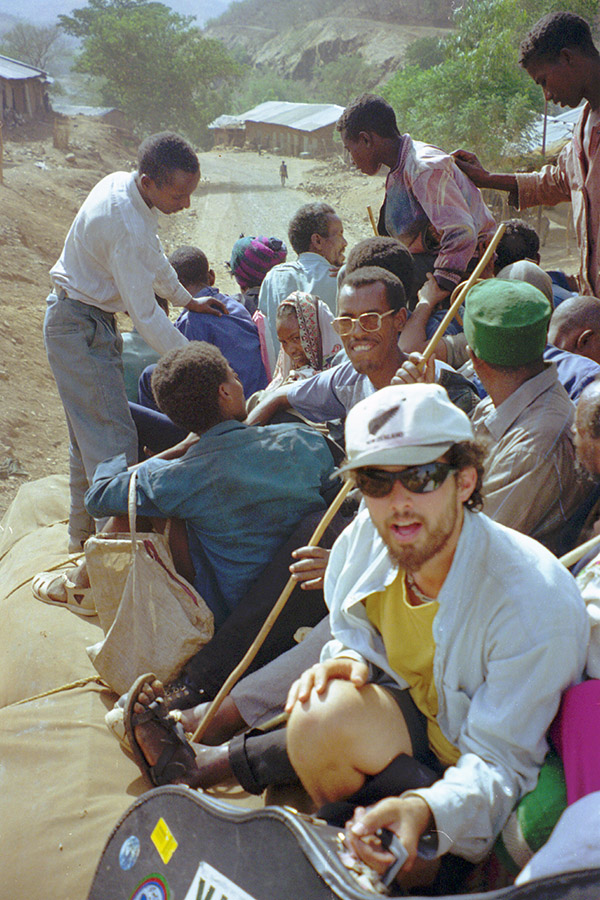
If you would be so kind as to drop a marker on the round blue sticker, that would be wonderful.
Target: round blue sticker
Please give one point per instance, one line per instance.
(129, 852)
(152, 888)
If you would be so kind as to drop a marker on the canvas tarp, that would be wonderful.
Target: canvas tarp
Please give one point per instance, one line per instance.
(64, 779)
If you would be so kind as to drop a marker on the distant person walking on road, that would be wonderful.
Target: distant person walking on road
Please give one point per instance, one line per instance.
(283, 172)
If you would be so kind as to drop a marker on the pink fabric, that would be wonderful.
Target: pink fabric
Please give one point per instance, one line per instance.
(259, 320)
(575, 733)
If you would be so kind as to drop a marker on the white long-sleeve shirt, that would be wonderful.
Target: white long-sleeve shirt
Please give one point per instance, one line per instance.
(511, 634)
(113, 259)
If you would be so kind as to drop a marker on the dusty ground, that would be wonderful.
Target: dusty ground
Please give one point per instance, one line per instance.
(42, 191)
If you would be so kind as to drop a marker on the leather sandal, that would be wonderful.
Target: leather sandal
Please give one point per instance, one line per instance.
(166, 770)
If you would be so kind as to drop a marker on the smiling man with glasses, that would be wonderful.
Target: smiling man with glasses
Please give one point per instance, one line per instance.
(453, 638)
(371, 314)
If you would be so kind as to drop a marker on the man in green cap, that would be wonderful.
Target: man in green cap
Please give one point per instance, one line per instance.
(531, 481)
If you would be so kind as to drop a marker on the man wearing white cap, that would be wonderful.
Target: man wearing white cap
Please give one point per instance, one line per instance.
(453, 639)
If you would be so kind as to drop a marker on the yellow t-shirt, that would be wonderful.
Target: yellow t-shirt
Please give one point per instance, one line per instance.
(407, 635)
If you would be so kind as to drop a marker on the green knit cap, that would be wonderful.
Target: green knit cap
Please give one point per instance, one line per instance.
(506, 322)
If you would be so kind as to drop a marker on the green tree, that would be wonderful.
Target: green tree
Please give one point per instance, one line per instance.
(154, 64)
(478, 97)
(425, 52)
(343, 79)
(33, 44)
(257, 87)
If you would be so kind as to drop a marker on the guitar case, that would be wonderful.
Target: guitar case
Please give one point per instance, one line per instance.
(177, 844)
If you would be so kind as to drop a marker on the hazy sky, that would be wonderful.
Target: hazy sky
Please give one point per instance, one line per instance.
(46, 11)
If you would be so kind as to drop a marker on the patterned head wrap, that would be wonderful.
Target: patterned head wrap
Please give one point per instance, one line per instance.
(319, 341)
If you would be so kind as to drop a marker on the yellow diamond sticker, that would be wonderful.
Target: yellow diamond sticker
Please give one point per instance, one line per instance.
(163, 840)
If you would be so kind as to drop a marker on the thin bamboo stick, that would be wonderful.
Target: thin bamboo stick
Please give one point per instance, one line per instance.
(575, 555)
(468, 284)
(373, 223)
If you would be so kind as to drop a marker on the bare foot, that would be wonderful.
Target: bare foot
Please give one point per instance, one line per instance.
(225, 725)
(195, 765)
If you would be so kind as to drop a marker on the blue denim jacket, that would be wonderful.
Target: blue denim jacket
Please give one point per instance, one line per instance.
(241, 491)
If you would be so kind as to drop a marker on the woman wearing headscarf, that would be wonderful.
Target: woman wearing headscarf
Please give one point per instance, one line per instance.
(308, 341)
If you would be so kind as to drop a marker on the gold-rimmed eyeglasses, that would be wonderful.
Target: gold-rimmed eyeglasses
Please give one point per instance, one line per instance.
(369, 321)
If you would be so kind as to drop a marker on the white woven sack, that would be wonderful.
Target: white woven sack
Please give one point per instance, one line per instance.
(153, 619)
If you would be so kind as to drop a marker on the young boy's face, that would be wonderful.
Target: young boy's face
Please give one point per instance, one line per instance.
(560, 78)
(363, 152)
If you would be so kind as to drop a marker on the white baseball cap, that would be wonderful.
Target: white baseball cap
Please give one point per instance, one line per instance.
(403, 425)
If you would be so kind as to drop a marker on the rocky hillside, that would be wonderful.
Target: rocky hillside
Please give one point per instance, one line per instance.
(293, 38)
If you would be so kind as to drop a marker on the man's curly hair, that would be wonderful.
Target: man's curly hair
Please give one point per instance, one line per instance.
(185, 384)
(464, 455)
(368, 113)
(555, 32)
(312, 218)
(386, 253)
(160, 155)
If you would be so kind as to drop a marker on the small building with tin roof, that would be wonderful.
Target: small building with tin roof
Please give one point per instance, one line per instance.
(282, 127)
(22, 90)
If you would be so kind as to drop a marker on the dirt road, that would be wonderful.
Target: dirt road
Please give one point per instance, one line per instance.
(240, 193)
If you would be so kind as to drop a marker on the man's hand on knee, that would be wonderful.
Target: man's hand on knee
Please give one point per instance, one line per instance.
(318, 676)
(407, 817)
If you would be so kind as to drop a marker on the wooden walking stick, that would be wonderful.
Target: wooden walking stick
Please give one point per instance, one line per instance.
(573, 556)
(259, 640)
(462, 291)
(373, 223)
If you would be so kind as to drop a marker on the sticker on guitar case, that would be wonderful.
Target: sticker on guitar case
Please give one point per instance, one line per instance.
(164, 841)
(154, 887)
(129, 852)
(209, 884)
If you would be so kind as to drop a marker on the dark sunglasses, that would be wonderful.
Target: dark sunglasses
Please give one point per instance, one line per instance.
(416, 479)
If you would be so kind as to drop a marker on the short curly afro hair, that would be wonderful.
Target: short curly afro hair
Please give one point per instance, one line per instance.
(555, 32)
(386, 253)
(186, 382)
(160, 155)
(519, 241)
(368, 113)
(312, 218)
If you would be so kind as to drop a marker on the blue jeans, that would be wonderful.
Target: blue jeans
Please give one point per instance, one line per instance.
(84, 352)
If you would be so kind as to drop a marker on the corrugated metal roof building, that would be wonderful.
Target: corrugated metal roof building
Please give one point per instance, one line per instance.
(283, 127)
(559, 130)
(22, 90)
(229, 130)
